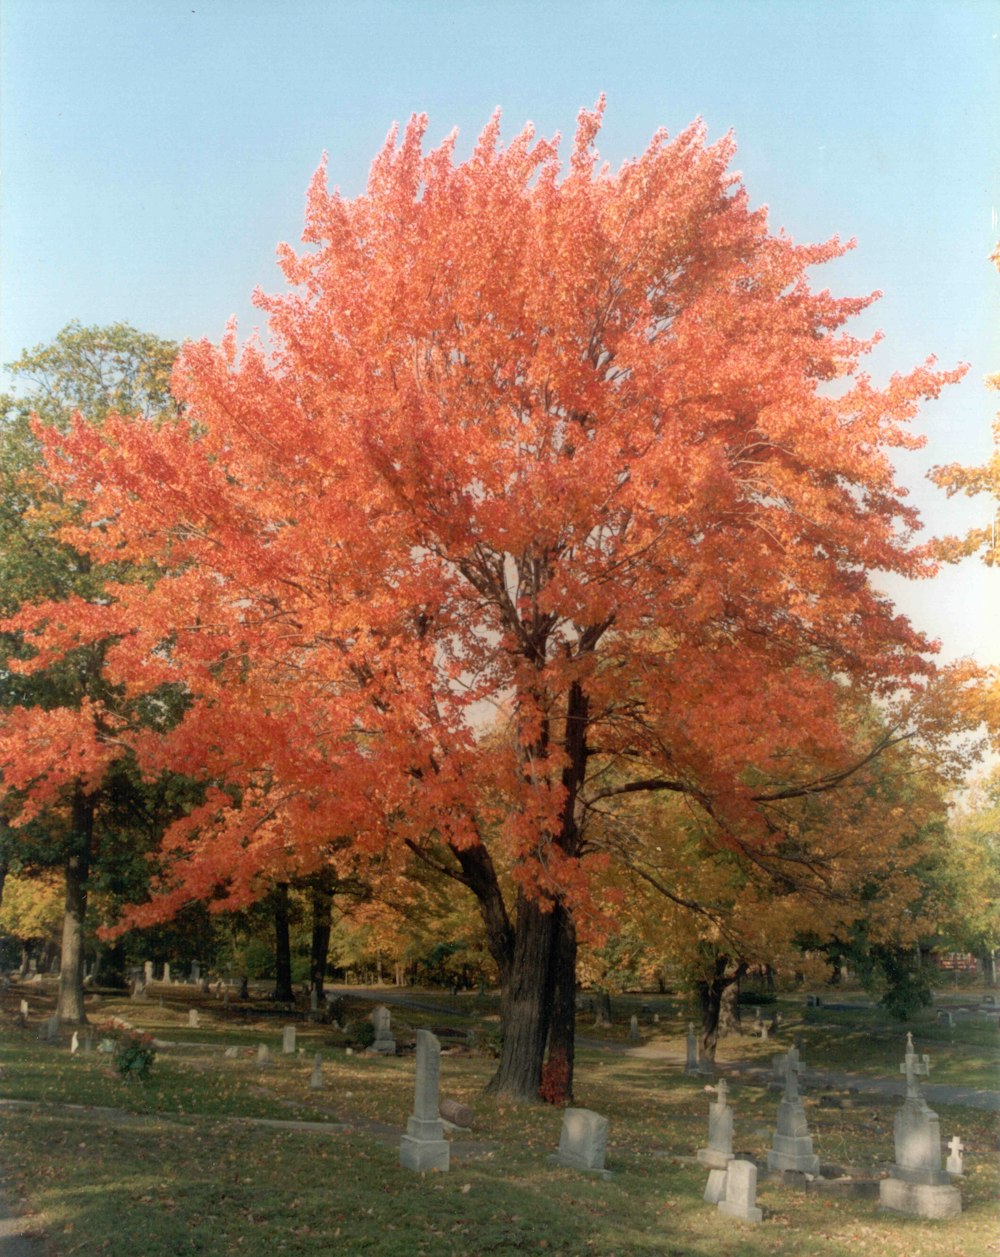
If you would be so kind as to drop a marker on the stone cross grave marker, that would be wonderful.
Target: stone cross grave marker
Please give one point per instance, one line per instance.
(791, 1147)
(424, 1147)
(583, 1141)
(740, 1200)
(288, 1041)
(719, 1152)
(917, 1184)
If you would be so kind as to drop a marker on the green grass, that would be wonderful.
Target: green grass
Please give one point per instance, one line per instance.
(182, 1173)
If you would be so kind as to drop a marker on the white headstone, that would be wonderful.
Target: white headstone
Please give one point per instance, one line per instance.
(791, 1147)
(232, 1053)
(583, 1140)
(719, 1152)
(166, 973)
(740, 1200)
(955, 1150)
(193, 1018)
(263, 1054)
(382, 1021)
(147, 970)
(424, 1147)
(74, 1044)
(24, 1008)
(288, 1041)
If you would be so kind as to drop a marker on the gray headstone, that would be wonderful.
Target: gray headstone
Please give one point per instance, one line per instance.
(691, 1063)
(424, 1147)
(147, 971)
(166, 973)
(193, 1018)
(955, 1150)
(263, 1054)
(316, 1077)
(195, 972)
(583, 1140)
(740, 1200)
(382, 1021)
(715, 1188)
(232, 1053)
(719, 1152)
(633, 1028)
(288, 1041)
(791, 1147)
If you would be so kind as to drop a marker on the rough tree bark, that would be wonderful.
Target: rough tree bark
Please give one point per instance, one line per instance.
(282, 946)
(322, 921)
(712, 992)
(77, 867)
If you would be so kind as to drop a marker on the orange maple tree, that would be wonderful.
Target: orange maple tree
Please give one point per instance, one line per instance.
(577, 454)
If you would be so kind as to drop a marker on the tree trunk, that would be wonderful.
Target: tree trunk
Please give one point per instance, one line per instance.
(525, 1005)
(70, 1005)
(557, 1073)
(710, 995)
(282, 946)
(322, 919)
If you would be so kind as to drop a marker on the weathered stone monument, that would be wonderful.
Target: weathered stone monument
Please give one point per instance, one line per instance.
(791, 1148)
(193, 1018)
(424, 1147)
(147, 972)
(195, 972)
(263, 1054)
(583, 1141)
(691, 1064)
(24, 1008)
(954, 1164)
(382, 1021)
(316, 1077)
(74, 1044)
(231, 1053)
(719, 1152)
(740, 1200)
(633, 1028)
(917, 1184)
(49, 1032)
(166, 973)
(288, 1041)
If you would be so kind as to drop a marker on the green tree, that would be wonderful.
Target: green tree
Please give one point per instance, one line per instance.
(94, 372)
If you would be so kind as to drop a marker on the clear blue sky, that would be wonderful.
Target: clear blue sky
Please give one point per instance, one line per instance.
(155, 152)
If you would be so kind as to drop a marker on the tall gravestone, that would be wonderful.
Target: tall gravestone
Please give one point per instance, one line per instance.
(691, 1063)
(791, 1148)
(193, 1018)
(740, 1199)
(147, 971)
(719, 1152)
(917, 1184)
(288, 1041)
(424, 1147)
(166, 973)
(195, 972)
(382, 1021)
(316, 1077)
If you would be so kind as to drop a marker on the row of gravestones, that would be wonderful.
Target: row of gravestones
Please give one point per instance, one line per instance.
(916, 1185)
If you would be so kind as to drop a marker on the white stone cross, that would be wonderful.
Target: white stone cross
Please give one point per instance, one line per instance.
(955, 1150)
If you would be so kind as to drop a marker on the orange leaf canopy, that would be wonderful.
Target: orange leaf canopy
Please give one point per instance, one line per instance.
(576, 451)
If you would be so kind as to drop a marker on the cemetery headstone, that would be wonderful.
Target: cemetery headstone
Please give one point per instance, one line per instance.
(195, 972)
(719, 1152)
(74, 1044)
(633, 1028)
(316, 1077)
(232, 1053)
(147, 971)
(740, 1200)
(791, 1147)
(193, 1018)
(583, 1140)
(715, 1188)
(424, 1147)
(691, 1064)
(24, 1008)
(955, 1150)
(263, 1054)
(288, 1041)
(917, 1184)
(166, 973)
(944, 1018)
(382, 1021)
(456, 1113)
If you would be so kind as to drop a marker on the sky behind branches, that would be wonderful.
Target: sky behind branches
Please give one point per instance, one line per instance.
(154, 153)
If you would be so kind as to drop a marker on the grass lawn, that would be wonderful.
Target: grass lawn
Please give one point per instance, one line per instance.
(174, 1167)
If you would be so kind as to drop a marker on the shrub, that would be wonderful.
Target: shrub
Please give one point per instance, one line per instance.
(134, 1052)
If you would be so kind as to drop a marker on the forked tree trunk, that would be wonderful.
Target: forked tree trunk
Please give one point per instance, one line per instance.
(711, 993)
(525, 1005)
(70, 1003)
(282, 946)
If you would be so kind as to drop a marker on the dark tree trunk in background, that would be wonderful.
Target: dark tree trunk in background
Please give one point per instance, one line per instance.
(557, 1073)
(322, 921)
(70, 1005)
(282, 946)
(712, 995)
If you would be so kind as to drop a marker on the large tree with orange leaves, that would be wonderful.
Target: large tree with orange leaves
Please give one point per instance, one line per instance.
(576, 455)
